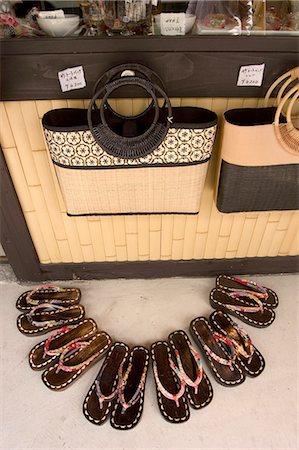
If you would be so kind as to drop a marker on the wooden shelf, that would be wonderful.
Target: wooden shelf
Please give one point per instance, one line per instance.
(191, 66)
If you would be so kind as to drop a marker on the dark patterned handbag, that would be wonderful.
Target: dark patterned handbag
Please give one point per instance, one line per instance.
(153, 162)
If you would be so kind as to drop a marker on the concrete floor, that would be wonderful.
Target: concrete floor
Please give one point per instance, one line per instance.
(259, 414)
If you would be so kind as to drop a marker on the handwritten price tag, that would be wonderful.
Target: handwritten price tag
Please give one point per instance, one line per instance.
(251, 75)
(172, 24)
(72, 78)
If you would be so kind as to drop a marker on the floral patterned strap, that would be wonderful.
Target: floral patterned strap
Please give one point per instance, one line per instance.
(241, 349)
(179, 369)
(247, 309)
(45, 288)
(49, 307)
(161, 388)
(259, 291)
(57, 351)
(122, 384)
(231, 358)
(101, 396)
(70, 348)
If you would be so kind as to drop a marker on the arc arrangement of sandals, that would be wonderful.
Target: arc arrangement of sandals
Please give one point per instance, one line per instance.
(181, 382)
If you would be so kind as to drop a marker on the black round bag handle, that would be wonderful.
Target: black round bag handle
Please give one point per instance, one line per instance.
(118, 71)
(129, 147)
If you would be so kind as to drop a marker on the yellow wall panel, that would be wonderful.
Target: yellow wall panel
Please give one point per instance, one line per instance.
(213, 233)
(290, 235)
(189, 237)
(6, 136)
(143, 233)
(18, 177)
(73, 238)
(155, 245)
(96, 238)
(108, 237)
(60, 238)
(294, 248)
(257, 235)
(64, 250)
(119, 230)
(32, 123)
(39, 242)
(43, 106)
(166, 236)
(43, 215)
(49, 192)
(121, 254)
(18, 128)
(244, 242)
(200, 245)
(221, 247)
(236, 232)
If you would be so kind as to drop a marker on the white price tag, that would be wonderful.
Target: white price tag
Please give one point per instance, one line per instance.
(251, 75)
(172, 24)
(72, 78)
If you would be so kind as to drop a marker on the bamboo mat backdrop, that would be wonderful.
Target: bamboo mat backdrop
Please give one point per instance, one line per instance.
(61, 239)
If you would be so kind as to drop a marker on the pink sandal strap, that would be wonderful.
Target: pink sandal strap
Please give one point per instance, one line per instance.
(247, 309)
(43, 289)
(122, 384)
(161, 388)
(231, 358)
(241, 349)
(60, 332)
(259, 291)
(69, 349)
(31, 316)
(179, 369)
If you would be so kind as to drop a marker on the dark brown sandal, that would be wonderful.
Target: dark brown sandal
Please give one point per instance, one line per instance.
(103, 392)
(75, 360)
(233, 284)
(223, 364)
(243, 305)
(47, 352)
(47, 317)
(169, 387)
(198, 387)
(128, 408)
(249, 358)
(48, 293)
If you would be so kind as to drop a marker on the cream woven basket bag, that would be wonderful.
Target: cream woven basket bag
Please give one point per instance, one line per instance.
(260, 154)
(155, 162)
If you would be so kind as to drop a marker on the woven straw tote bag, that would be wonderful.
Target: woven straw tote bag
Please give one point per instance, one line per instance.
(154, 162)
(260, 154)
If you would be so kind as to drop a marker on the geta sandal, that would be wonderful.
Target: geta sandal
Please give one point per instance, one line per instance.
(48, 351)
(46, 317)
(132, 373)
(103, 392)
(250, 359)
(233, 284)
(244, 305)
(48, 293)
(170, 387)
(75, 360)
(189, 368)
(219, 352)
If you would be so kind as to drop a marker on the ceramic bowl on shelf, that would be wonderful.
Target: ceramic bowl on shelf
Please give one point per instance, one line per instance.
(59, 26)
(189, 22)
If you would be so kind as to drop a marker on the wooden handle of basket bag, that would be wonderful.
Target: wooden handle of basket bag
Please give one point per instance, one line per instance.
(286, 133)
(290, 76)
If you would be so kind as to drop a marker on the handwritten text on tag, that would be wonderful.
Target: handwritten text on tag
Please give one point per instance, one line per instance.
(251, 75)
(72, 78)
(172, 24)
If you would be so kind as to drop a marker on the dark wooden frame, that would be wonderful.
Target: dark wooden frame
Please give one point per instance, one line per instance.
(191, 66)
(214, 63)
